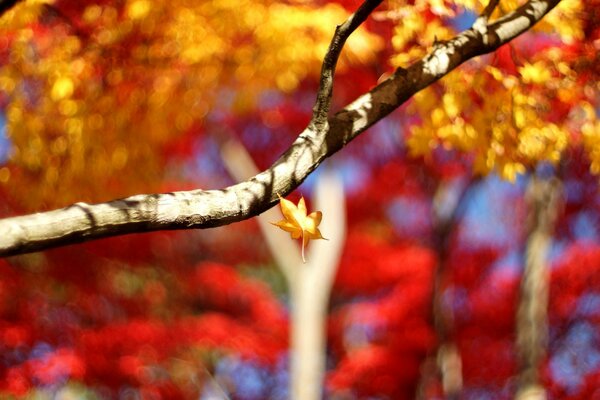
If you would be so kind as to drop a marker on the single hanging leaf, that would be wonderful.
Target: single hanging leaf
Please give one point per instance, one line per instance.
(297, 223)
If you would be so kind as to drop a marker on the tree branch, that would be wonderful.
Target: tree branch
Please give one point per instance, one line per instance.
(489, 9)
(205, 209)
(285, 252)
(342, 32)
(6, 5)
(481, 24)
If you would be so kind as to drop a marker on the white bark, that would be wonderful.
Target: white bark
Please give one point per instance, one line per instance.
(210, 208)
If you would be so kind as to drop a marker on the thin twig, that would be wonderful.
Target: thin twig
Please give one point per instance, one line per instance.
(6, 5)
(342, 32)
(481, 23)
(489, 9)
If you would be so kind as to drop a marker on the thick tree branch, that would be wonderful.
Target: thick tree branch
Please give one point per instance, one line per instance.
(285, 252)
(205, 209)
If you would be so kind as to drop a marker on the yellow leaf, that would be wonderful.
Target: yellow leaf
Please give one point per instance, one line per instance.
(297, 223)
(62, 88)
(495, 72)
(450, 105)
(138, 9)
(535, 73)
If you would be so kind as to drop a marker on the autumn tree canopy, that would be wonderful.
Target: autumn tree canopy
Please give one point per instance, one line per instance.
(316, 142)
(135, 100)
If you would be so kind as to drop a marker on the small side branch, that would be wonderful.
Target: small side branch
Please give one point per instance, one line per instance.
(6, 5)
(482, 22)
(342, 32)
(489, 9)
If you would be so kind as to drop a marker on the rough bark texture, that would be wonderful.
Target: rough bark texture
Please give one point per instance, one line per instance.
(205, 209)
(543, 196)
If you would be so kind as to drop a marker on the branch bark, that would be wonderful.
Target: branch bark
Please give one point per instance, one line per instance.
(199, 209)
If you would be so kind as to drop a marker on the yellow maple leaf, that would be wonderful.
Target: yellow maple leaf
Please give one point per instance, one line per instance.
(298, 223)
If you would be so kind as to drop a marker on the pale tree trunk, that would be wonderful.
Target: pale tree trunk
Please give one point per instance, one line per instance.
(309, 283)
(310, 290)
(543, 198)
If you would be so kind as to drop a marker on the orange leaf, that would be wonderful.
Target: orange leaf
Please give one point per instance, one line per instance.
(297, 223)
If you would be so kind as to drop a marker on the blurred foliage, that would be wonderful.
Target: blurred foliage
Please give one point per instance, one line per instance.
(94, 90)
(104, 99)
(525, 105)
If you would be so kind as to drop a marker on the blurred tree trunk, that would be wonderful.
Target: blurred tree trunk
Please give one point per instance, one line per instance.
(309, 283)
(543, 199)
(444, 363)
(310, 288)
